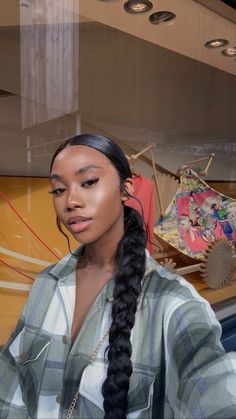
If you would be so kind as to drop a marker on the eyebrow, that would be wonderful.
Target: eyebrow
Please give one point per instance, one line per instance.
(87, 169)
(82, 170)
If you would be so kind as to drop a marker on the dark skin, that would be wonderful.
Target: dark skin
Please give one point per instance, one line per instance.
(89, 202)
(89, 283)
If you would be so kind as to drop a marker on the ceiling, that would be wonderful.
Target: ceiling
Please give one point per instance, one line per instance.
(138, 82)
(194, 25)
(197, 21)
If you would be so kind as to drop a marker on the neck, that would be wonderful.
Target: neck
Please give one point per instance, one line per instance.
(101, 255)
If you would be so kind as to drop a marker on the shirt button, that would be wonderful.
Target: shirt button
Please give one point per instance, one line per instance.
(58, 399)
(64, 339)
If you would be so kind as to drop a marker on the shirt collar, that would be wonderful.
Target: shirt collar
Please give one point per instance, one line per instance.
(66, 267)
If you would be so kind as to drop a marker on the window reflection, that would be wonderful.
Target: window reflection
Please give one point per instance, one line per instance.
(49, 60)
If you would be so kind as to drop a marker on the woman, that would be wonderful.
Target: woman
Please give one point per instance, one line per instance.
(107, 332)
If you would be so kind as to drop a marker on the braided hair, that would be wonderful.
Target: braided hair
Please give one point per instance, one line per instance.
(131, 266)
(130, 263)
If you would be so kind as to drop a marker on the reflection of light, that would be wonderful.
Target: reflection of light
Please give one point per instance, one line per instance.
(58, 251)
(49, 61)
(37, 10)
(29, 195)
(26, 3)
(17, 236)
(28, 150)
(137, 6)
(216, 43)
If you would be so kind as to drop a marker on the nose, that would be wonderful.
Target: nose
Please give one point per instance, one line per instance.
(74, 200)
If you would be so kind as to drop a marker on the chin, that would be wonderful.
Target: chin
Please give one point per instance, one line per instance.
(84, 238)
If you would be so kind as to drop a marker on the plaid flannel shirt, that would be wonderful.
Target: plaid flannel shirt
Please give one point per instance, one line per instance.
(180, 369)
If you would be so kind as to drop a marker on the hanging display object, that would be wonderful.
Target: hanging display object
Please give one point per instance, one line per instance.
(49, 45)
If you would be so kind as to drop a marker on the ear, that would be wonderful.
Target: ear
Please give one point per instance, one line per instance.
(128, 189)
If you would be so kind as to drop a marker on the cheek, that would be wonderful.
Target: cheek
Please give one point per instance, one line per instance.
(57, 203)
(106, 200)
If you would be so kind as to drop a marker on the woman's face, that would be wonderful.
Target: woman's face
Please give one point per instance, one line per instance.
(86, 194)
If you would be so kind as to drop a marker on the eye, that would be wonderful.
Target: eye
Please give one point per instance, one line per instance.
(90, 182)
(57, 191)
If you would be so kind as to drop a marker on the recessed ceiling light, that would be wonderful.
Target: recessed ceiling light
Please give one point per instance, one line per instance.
(137, 6)
(229, 52)
(161, 17)
(216, 43)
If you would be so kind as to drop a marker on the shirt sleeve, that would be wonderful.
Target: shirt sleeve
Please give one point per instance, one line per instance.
(200, 375)
(11, 403)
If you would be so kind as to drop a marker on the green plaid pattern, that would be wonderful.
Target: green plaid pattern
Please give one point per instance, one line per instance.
(180, 369)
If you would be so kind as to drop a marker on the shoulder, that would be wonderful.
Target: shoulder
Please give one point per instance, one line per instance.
(47, 281)
(60, 270)
(176, 306)
(168, 291)
(43, 279)
(163, 282)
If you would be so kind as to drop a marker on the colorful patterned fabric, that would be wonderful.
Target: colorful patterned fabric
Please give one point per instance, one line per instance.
(180, 369)
(197, 216)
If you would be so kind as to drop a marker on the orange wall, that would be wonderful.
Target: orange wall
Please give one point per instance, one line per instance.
(30, 198)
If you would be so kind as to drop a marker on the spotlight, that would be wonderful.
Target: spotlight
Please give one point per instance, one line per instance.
(137, 6)
(229, 52)
(216, 43)
(161, 17)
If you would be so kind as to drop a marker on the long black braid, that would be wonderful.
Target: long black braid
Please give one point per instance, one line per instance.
(130, 262)
(131, 267)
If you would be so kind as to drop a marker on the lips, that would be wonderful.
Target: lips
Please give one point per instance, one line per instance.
(78, 219)
(78, 224)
